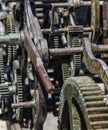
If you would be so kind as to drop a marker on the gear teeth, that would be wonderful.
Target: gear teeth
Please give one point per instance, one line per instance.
(93, 98)
(95, 104)
(82, 80)
(83, 89)
(66, 71)
(56, 97)
(1, 68)
(10, 28)
(19, 97)
(4, 91)
(14, 49)
(96, 110)
(89, 85)
(91, 93)
(96, 116)
(91, 101)
(76, 57)
(51, 74)
(10, 24)
(99, 124)
(9, 54)
(66, 67)
(20, 88)
(39, 13)
(55, 41)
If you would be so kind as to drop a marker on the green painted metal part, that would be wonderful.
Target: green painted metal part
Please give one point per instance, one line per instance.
(81, 108)
(12, 38)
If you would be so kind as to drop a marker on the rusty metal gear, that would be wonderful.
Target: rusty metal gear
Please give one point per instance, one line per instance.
(66, 71)
(76, 59)
(83, 105)
(73, 66)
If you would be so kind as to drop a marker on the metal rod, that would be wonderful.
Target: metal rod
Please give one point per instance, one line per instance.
(100, 48)
(72, 29)
(12, 38)
(64, 30)
(29, 104)
(88, 29)
(75, 50)
(65, 51)
(46, 31)
(56, 5)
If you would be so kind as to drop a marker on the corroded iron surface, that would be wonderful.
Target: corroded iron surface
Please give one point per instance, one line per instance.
(56, 47)
(82, 99)
(94, 65)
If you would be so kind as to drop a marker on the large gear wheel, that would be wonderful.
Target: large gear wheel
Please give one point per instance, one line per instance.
(83, 105)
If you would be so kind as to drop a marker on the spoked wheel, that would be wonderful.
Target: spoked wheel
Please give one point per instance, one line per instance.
(83, 107)
(40, 111)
